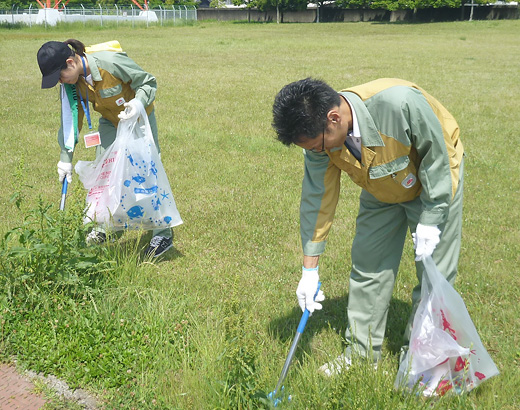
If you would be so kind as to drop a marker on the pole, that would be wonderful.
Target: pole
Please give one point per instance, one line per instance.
(292, 350)
(63, 194)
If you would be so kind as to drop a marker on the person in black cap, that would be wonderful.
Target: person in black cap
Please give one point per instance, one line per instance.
(116, 86)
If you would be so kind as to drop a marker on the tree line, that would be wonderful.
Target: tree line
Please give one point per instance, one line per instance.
(264, 5)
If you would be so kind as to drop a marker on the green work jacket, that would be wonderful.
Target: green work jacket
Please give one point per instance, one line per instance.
(117, 79)
(410, 148)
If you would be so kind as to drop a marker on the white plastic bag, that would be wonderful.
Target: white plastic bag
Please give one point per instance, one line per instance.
(127, 185)
(445, 352)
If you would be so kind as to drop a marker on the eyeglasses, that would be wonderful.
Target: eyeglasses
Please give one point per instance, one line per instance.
(322, 144)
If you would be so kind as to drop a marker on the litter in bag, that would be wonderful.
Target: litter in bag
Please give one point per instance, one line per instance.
(127, 185)
(445, 352)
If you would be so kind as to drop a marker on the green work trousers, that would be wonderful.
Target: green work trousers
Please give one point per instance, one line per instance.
(108, 132)
(381, 230)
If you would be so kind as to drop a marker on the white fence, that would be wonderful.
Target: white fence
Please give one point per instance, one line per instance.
(99, 15)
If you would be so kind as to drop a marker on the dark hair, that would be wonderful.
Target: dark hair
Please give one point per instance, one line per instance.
(300, 110)
(76, 45)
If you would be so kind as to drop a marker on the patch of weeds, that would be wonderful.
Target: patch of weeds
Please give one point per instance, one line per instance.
(48, 253)
(240, 357)
(56, 316)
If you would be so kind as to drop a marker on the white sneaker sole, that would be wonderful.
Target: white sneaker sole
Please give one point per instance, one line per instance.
(335, 367)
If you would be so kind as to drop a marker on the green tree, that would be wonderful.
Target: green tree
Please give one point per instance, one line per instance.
(398, 4)
(282, 5)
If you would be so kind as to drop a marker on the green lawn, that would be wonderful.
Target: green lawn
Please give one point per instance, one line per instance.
(209, 326)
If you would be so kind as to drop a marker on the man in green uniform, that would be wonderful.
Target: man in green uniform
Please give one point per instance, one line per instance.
(402, 147)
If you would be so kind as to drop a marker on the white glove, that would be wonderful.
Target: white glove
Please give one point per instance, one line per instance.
(131, 110)
(425, 239)
(65, 171)
(307, 289)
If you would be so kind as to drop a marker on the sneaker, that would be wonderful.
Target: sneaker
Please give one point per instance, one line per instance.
(158, 245)
(335, 367)
(96, 238)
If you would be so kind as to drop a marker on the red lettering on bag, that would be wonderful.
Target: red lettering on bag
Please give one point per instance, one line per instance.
(446, 326)
(103, 175)
(480, 375)
(109, 160)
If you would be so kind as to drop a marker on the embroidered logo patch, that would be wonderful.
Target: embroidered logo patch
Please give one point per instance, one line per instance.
(120, 101)
(409, 181)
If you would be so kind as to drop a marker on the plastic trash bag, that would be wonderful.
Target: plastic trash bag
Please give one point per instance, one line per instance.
(445, 353)
(127, 185)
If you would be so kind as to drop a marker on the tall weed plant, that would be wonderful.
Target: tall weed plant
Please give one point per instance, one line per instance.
(48, 253)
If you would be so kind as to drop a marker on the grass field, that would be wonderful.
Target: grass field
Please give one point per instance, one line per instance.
(209, 326)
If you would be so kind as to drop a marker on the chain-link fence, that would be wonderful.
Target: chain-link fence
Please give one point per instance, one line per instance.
(129, 15)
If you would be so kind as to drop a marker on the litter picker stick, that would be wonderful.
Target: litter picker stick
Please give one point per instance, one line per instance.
(292, 350)
(63, 194)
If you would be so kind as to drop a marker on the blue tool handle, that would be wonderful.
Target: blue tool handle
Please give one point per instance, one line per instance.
(292, 350)
(306, 313)
(63, 194)
(64, 186)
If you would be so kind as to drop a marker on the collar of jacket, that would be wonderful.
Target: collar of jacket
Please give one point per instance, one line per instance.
(94, 70)
(369, 134)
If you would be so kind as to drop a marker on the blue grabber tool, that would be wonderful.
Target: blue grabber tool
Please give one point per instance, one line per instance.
(63, 194)
(277, 395)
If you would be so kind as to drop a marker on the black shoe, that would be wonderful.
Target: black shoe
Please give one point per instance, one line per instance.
(158, 245)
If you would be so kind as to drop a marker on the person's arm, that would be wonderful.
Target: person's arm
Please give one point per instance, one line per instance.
(431, 134)
(65, 154)
(428, 137)
(320, 193)
(434, 172)
(71, 112)
(143, 83)
(310, 262)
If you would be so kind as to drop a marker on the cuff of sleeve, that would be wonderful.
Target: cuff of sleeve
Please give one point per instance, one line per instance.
(314, 248)
(432, 218)
(143, 98)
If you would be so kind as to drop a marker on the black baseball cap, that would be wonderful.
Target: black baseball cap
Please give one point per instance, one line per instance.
(52, 57)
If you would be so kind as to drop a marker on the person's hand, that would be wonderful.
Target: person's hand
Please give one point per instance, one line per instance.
(425, 239)
(307, 289)
(65, 171)
(131, 110)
